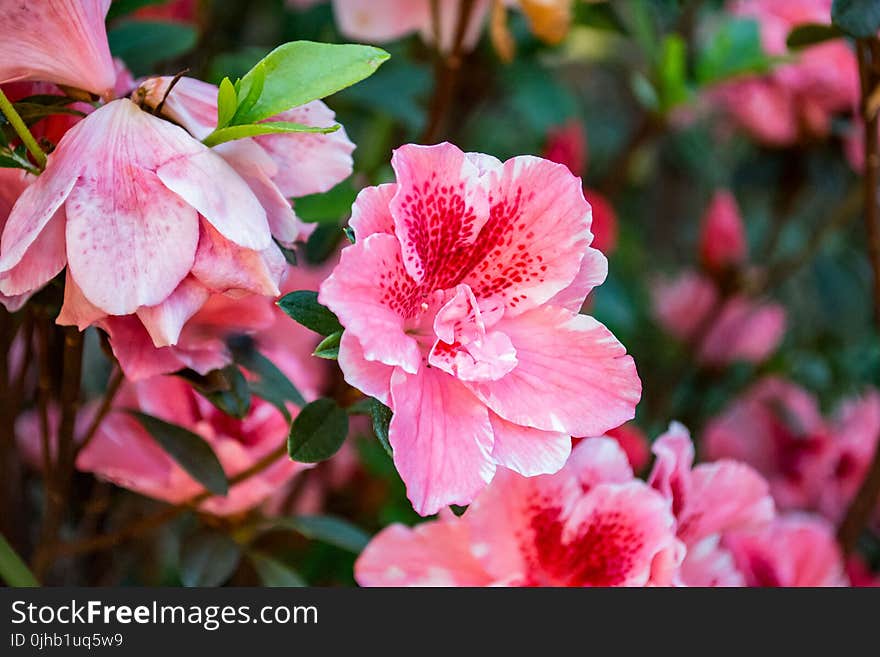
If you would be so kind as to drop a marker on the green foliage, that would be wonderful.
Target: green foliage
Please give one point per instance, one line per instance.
(142, 45)
(858, 18)
(273, 572)
(381, 416)
(303, 307)
(327, 529)
(317, 432)
(328, 348)
(734, 49)
(13, 570)
(810, 34)
(208, 559)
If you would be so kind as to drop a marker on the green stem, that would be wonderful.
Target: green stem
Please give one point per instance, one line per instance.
(22, 131)
(12, 569)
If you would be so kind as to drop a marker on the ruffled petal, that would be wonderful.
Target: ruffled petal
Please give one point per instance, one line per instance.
(165, 320)
(528, 451)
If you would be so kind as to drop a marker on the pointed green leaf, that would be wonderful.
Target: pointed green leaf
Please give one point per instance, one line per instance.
(317, 432)
(189, 451)
(227, 102)
(271, 384)
(233, 132)
(303, 307)
(302, 71)
(381, 416)
(234, 396)
(273, 572)
(13, 569)
(258, 79)
(812, 33)
(327, 529)
(329, 347)
(208, 559)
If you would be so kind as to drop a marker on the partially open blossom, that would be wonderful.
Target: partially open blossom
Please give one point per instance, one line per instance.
(794, 550)
(798, 99)
(459, 301)
(722, 237)
(147, 220)
(123, 452)
(278, 166)
(59, 41)
(590, 524)
(709, 501)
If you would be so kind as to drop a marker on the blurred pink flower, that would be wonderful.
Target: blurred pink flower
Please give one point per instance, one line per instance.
(59, 41)
(277, 167)
(185, 11)
(722, 237)
(176, 224)
(459, 300)
(795, 100)
(124, 453)
(590, 524)
(794, 550)
(634, 443)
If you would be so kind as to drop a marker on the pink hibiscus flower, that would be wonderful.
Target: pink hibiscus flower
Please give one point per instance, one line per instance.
(459, 301)
(796, 100)
(60, 41)
(590, 524)
(176, 224)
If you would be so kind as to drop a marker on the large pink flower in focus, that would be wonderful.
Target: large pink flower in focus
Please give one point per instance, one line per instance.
(148, 221)
(124, 453)
(590, 524)
(799, 99)
(60, 41)
(460, 301)
(277, 167)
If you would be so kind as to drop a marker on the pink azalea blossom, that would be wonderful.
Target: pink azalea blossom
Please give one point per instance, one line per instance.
(722, 238)
(59, 41)
(176, 224)
(590, 524)
(277, 167)
(794, 550)
(124, 453)
(799, 99)
(459, 301)
(740, 329)
(12, 183)
(709, 501)
(634, 443)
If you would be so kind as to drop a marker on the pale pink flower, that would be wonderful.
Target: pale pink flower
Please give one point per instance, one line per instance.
(799, 99)
(459, 300)
(590, 524)
(123, 452)
(722, 237)
(794, 550)
(739, 328)
(634, 443)
(174, 224)
(59, 41)
(278, 166)
(709, 500)
(12, 183)
(776, 427)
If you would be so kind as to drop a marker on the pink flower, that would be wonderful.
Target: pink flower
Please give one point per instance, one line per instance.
(795, 550)
(174, 224)
(277, 167)
(185, 11)
(796, 100)
(124, 453)
(709, 501)
(12, 183)
(722, 238)
(590, 524)
(60, 41)
(776, 427)
(634, 443)
(740, 329)
(459, 301)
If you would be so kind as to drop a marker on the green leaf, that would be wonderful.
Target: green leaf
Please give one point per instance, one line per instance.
(327, 529)
(317, 432)
(349, 233)
(208, 559)
(189, 451)
(143, 44)
(273, 572)
(672, 73)
(271, 384)
(331, 206)
(234, 395)
(381, 416)
(258, 73)
(810, 34)
(302, 71)
(233, 132)
(227, 102)
(734, 49)
(13, 570)
(858, 18)
(303, 307)
(644, 92)
(329, 347)
(322, 243)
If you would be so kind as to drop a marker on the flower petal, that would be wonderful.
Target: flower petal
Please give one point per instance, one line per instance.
(371, 212)
(528, 451)
(164, 321)
(369, 376)
(43, 260)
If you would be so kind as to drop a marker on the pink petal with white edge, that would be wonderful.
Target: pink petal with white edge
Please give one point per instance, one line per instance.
(572, 376)
(129, 241)
(532, 246)
(371, 212)
(434, 553)
(528, 451)
(165, 320)
(213, 187)
(44, 259)
(442, 440)
(76, 309)
(309, 163)
(599, 461)
(370, 292)
(593, 272)
(370, 377)
(439, 208)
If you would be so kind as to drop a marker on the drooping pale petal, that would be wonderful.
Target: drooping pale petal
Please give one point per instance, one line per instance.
(528, 451)
(370, 377)
(442, 440)
(572, 375)
(76, 309)
(42, 261)
(60, 41)
(371, 292)
(164, 321)
(371, 212)
(433, 553)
